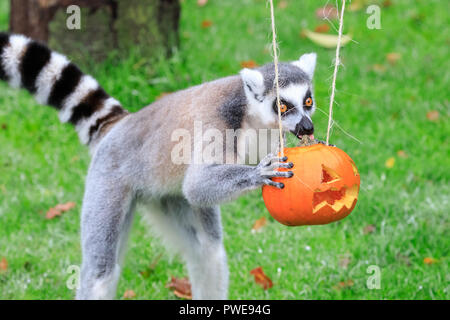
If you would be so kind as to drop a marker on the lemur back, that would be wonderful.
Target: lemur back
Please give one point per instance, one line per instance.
(56, 81)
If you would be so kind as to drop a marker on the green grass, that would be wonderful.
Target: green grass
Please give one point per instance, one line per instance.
(42, 163)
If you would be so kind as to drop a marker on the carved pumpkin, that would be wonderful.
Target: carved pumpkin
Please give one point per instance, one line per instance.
(324, 187)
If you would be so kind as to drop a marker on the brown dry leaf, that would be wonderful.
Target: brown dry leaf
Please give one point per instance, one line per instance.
(4, 126)
(327, 12)
(369, 229)
(393, 57)
(322, 28)
(433, 115)
(328, 41)
(402, 154)
(261, 222)
(3, 265)
(283, 4)
(387, 3)
(261, 278)
(180, 287)
(202, 3)
(65, 207)
(344, 284)
(59, 209)
(429, 260)
(129, 294)
(379, 68)
(249, 64)
(206, 24)
(344, 262)
(356, 5)
(390, 163)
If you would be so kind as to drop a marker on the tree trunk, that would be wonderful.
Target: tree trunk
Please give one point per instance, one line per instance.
(147, 26)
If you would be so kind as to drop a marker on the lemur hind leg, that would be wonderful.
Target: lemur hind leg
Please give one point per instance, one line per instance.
(196, 233)
(106, 218)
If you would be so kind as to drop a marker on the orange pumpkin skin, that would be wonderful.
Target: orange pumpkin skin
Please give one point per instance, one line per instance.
(324, 187)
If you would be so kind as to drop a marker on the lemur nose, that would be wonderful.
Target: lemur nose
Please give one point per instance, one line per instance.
(305, 126)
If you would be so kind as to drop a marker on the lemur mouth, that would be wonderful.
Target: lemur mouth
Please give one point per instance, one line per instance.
(300, 136)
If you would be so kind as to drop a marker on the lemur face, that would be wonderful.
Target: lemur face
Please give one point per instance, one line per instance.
(296, 95)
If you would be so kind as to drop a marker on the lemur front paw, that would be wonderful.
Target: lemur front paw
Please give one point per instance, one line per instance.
(266, 170)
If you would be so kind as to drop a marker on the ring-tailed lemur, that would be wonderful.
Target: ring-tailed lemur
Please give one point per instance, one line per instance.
(131, 157)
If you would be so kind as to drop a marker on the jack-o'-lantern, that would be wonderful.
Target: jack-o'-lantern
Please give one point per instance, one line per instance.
(323, 189)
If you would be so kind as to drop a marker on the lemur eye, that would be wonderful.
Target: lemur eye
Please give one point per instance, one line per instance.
(308, 102)
(283, 108)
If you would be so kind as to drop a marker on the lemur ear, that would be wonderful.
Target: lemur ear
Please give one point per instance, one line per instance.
(307, 63)
(253, 80)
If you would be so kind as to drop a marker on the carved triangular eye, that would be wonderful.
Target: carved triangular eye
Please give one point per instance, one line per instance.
(329, 175)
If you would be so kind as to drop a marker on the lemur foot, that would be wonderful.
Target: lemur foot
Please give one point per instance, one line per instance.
(266, 170)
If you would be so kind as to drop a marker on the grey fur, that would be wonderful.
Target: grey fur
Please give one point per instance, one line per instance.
(288, 74)
(131, 166)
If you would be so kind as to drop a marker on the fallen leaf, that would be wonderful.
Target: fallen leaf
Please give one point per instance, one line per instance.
(326, 40)
(402, 154)
(369, 229)
(344, 262)
(206, 24)
(283, 4)
(322, 28)
(380, 68)
(180, 287)
(65, 207)
(387, 3)
(261, 278)
(390, 162)
(249, 64)
(393, 57)
(202, 3)
(433, 115)
(344, 284)
(4, 126)
(3, 265)
(261, 222)
(356, 5)
(129, 294)
(429, 260)
(327, 12)
(59, 209)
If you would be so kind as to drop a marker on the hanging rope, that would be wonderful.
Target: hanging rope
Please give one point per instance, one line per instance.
(336, 65)
(277, 86)
(333, 85)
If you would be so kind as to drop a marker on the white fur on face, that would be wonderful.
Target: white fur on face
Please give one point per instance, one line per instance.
(295, 94)
(264, 114)
(307, 63)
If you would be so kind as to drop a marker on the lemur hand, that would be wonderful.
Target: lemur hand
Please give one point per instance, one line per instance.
(266, 170)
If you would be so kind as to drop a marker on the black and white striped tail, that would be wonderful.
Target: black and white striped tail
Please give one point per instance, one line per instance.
(54, 80)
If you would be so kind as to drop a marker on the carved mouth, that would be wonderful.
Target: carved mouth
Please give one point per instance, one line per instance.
(334, 198)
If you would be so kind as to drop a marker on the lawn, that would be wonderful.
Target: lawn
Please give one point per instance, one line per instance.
(402, 213)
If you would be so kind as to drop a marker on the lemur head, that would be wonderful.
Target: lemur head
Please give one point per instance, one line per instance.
(296, 94)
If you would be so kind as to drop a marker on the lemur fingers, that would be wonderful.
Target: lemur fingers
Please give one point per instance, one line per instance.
(278, 185)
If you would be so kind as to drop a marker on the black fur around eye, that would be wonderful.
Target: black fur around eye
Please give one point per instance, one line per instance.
(308, 101)
(284, 107)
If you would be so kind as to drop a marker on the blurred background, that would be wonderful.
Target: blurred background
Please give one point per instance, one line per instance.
(391, 116)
